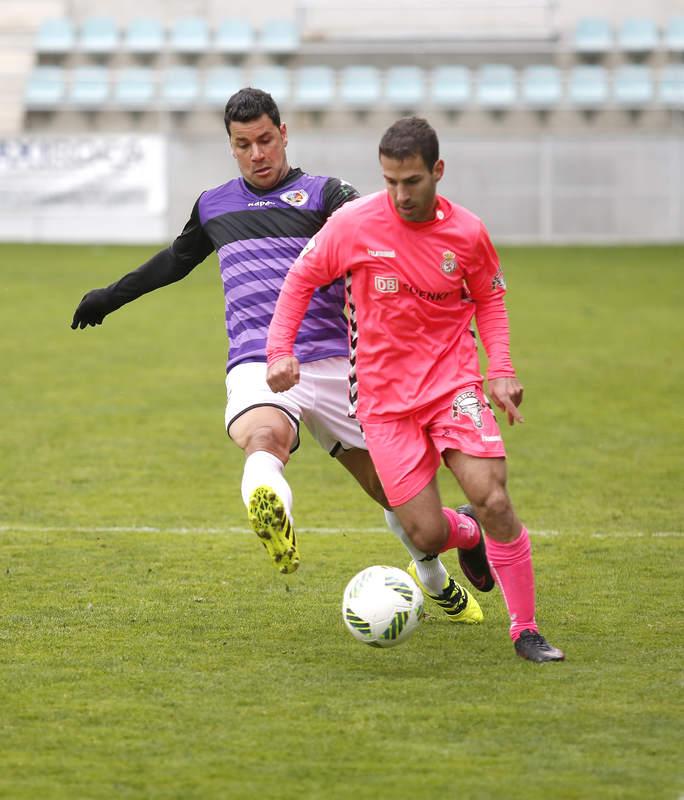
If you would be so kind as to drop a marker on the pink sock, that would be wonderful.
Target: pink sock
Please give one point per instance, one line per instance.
(511, 565)
(463, 531)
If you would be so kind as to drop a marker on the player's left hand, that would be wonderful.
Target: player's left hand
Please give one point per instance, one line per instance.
(283, 374)
(507, 395)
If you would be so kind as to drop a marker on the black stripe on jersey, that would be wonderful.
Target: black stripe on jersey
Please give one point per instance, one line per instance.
(236, 226)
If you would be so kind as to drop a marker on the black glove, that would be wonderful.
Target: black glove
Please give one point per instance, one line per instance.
(93, 309)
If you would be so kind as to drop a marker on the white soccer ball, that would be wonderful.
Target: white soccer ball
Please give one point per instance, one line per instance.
(382, 606)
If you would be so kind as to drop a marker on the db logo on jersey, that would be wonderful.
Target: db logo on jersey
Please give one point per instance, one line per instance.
(386, 285)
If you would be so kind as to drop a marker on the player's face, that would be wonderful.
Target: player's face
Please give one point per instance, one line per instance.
(412, 186)
(259, 148)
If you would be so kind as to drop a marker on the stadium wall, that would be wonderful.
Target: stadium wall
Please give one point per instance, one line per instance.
(608, 189)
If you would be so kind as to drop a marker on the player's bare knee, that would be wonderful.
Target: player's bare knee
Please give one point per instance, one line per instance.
(429, 540)
(267, 439)
(493, 505)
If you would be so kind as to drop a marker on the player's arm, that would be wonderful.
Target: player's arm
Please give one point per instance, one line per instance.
(318, 264)
(172, 264)
(487, 289)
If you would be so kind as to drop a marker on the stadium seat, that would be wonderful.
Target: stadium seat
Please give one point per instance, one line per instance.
(144, 36)
(220, 83)
(588, 86)
(405, 87)
(671, 86)
(134, 88)
(632, 85)
(674, 35)
(279, 37)
(360, 86)
(55, 36)
(496, 86)
(541, 86)
(89, 86)
(98, 36)
(314, 88)
(451, 86)
(190, 35)
(45, 88)
(638, 35)
(234, 37)
(180, 88)
(274, 80)
(593, 36)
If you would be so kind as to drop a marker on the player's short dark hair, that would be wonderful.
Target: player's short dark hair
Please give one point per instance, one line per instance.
(408, 137)
(249, 104)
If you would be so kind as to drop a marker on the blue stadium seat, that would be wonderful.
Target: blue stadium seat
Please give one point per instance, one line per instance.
(190, 35)
(405, 87)
(638, 35)
(275, 80)
(314, 88)
(55, 36)
(220, 83)
(144, 36)
(279, 37)
(541, 86)
(588, 86)
(234, 37)
(134, 87)
(99, 36)
(633, 85)
(360, 86)
(180, 88)
(496, 86)
(674, 35)
(451, 86)
(45, 88)
(89, 86)
(671, 86)
(593, 35)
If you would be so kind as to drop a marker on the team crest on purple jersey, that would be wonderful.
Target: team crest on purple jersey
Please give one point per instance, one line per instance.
(469, 404)
(295, 197)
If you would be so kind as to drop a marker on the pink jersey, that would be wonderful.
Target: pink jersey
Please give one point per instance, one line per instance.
(412, 291)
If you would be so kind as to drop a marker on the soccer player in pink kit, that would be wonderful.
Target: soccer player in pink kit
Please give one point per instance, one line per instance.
(418, 269)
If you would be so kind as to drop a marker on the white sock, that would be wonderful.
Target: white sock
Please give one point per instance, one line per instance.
(265, 469)
(432, 572)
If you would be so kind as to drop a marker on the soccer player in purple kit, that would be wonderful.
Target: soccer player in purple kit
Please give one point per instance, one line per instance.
(258, 224)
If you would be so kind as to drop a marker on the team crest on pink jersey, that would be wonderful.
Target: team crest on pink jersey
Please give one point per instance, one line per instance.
(468, 403)
(297, 197)
(449, 262)
(498, 281)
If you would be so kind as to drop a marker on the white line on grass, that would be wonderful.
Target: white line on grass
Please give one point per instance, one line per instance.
(5, 528)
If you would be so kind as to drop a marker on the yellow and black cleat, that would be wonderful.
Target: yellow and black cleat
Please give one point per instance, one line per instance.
(456, 601)
(270, 522)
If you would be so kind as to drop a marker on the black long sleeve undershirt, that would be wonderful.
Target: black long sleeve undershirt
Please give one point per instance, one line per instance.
(167, 266)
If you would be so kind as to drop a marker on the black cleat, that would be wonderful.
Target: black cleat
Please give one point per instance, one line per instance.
(534, 647)
(474, 562)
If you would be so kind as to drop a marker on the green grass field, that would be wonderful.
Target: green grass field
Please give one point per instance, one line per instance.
(149, 650)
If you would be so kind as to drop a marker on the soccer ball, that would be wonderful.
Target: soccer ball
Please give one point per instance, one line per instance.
(382, 606)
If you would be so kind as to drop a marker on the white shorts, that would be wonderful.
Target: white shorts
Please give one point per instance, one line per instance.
(320, 400)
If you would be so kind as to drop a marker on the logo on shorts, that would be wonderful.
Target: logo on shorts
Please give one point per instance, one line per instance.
(469, 404)
(386, 285)
(449, 262)
(297, 197)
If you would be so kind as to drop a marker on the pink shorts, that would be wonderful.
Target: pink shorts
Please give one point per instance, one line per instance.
(406, 451)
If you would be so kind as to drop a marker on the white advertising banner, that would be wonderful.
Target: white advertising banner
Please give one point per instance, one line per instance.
(83, 188)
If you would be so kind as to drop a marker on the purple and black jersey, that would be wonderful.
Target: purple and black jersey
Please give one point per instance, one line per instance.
(257, 234)
(257, 238)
